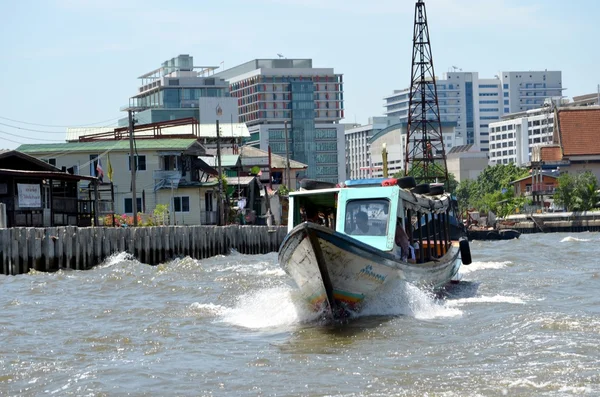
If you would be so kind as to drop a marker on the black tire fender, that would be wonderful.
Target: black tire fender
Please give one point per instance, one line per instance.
(465, 251)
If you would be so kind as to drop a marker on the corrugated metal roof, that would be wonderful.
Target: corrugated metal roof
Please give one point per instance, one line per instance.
(277, 161)
(227, 160)
(102, 146)
(242, 180)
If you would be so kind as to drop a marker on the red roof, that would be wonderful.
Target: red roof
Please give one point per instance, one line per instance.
(550, 153)
(579, 131)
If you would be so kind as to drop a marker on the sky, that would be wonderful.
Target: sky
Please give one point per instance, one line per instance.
(76, 62)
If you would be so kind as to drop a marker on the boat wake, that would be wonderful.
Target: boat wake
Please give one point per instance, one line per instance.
(475, 266)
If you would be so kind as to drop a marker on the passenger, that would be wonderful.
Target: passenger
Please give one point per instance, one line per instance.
(362, 226)
(403, 249)
(312, 214)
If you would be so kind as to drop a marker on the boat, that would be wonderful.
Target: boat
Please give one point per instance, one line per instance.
(492, 234)
(339, 261)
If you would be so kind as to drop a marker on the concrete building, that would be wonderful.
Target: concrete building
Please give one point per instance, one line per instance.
(279, 98)
(178, 89)
(513, 139)
(358, 160)
(169, 172)
(473, 102)
(394, 138)
(465, 162)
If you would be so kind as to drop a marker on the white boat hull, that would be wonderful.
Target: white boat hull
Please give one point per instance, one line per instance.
(334, 271)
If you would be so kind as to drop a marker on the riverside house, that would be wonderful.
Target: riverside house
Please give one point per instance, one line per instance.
(37, 194)
(169, 172)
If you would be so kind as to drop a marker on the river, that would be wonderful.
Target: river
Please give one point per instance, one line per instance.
(524, 320)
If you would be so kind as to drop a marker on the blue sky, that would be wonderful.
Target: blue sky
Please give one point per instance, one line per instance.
(76, 62)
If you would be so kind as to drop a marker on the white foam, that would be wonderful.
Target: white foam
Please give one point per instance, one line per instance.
(115, 259)
(269, 308)
(400, 298)
(208, 309)
(487, 299)
(574, 239)
(475, 266)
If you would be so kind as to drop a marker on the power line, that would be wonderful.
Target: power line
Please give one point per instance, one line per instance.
(59, 126)
(44, 131)
(26, 137)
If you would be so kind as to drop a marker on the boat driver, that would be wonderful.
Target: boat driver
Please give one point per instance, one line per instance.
(362, 226)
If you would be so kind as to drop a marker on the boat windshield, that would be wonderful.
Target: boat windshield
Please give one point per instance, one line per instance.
(367, 217)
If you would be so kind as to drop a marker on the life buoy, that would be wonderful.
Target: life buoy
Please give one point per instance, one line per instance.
(436, 190)
(390, 182)
(465, 251)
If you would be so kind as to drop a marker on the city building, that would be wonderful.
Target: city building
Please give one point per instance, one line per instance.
(288, 100)
(465, 162)
(513, 138)
(394, 139)
(177, 90)
(358, 159)
(473, 103)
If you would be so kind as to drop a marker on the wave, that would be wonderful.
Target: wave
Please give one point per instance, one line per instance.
(475, 266)
(487, 299)
(571, 239)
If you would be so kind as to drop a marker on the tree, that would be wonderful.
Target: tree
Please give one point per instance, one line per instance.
(587, 187)
(565, 194)
(465, 193)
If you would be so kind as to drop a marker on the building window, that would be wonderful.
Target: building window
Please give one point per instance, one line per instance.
(181, 203)
(506, 110)
(129, 205)
(506, 86)
(50, 161)
(208, 201)
(140, 163)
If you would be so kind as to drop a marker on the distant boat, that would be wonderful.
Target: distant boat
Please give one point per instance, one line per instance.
(493, 234)
(339, 261)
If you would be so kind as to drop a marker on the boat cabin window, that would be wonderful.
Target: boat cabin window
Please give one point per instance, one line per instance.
(367, 217)
(316, 208)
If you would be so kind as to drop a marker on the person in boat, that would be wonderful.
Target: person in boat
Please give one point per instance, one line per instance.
(362, 226)
(312, 214)
(403, 250)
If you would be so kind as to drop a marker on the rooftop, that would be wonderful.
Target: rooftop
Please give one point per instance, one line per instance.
(579, 131)
(108, 145)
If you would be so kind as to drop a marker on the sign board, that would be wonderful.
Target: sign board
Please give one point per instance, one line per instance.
(30, 196)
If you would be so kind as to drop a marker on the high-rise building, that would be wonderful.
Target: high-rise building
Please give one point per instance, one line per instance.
(473, 102)
(178, 89)
(288, 99)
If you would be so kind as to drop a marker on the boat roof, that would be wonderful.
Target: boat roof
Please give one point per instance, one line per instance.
(315, 191)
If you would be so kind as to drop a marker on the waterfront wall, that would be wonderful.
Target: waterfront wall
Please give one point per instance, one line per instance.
(567, 222)
(51, 249)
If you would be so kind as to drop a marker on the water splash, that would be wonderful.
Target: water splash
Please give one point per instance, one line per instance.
(270, 308)
(475, 266)
(115, 259)
(400, 298)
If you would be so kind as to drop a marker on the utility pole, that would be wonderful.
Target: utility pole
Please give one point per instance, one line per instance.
(287, 157)
(220, 171)
(132, 164)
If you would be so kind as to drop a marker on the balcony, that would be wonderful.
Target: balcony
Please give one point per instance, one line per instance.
(538, 188)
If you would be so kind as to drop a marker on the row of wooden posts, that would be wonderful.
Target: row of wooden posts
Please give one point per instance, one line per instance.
(70, 247)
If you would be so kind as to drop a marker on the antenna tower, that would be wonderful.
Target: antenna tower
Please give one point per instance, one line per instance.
(425, 154)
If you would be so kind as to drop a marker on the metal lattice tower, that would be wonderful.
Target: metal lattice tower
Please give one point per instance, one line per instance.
(425, 154)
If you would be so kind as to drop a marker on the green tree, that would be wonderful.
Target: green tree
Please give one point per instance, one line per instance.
(587, 187)
(565, 194)
(466, 193)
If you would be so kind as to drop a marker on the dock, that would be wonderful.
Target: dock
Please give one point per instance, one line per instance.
(52, 249)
